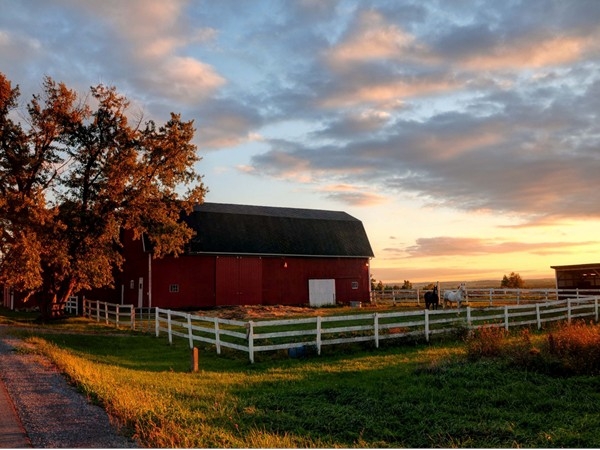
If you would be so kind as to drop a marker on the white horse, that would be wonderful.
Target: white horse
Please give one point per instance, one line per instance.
(455, 296)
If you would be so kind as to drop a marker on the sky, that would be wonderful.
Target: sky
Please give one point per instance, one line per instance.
(465, 135)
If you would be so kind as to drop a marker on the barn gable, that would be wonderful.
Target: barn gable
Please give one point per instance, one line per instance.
(261, 230)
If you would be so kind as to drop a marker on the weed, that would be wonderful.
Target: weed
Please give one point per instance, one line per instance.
(485, 341)
(577, 346)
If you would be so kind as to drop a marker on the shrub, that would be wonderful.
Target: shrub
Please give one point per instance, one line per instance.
(485, 341)
(577, 347)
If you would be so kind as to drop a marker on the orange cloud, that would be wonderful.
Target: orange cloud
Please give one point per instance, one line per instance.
(372, 38)
(531, 54)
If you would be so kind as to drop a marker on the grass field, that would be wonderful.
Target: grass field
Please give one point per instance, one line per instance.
(446, 394)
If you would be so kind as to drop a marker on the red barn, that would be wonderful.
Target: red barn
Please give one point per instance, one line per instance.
(254, 255)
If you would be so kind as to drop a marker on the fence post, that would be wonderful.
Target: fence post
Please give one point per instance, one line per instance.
(190, 335)
(506, 317)
(132, 316)
(491, 296)
(469, 321)
(250, 337)
(117, 316)
(157, 321)
(569, 310)
(217, 336)
(537, 316)
(596, 308)
(105, 313)
(318, 335)
(97, 310)
(376, 328)
(169, 326)
(426, 325)
(518, 297)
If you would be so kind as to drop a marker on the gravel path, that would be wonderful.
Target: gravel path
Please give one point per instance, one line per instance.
(53, 413)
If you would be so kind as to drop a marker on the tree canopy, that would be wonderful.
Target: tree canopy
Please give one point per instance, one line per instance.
(514, 281)
(74, 172)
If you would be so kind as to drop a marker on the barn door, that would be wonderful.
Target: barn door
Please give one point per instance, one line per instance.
(321, 292)
(238, 280)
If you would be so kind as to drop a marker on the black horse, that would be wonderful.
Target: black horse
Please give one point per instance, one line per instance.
(432, 298)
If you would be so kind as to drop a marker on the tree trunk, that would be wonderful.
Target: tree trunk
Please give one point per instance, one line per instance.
(53, 306)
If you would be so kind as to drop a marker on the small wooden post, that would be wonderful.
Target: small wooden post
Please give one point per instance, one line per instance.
(194, 359)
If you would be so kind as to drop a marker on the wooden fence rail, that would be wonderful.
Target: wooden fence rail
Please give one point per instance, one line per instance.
(110, 313)
(269, 335)
(485, 295)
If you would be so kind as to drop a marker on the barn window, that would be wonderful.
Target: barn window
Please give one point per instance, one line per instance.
(355, 285)
(174, 288)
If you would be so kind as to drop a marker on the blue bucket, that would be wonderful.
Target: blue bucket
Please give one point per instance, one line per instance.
(297, 352)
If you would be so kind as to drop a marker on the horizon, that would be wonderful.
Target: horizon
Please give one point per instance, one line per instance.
(464, 136)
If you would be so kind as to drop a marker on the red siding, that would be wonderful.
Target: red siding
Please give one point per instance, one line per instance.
(238, 280)
(210, 280)
(183, 282)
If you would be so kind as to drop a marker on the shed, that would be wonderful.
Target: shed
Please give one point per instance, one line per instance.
(244, 254)
(578, 276)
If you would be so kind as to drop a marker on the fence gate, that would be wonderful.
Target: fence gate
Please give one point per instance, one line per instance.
(321, 292)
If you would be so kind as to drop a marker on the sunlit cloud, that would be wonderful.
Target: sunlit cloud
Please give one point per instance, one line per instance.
(352, 195)
(372, 38)
(452, 246)
(531, 54)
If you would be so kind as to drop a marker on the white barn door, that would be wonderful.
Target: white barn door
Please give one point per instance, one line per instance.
(321, 292)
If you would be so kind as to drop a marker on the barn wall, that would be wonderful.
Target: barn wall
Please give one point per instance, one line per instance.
(199, 281)
(285, 280)
(134, 268)
(238, 280)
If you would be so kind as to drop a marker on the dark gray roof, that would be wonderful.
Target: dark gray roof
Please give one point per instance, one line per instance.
(265, 230)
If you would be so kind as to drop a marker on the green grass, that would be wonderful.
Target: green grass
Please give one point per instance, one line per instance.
(409, 395)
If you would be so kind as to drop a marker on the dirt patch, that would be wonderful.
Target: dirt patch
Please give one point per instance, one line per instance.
(257, 312)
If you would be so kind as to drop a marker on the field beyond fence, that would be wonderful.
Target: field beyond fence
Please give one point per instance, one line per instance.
(302, 335)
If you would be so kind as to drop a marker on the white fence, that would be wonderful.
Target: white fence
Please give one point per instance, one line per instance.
(269, 335)
(485, 295)
(110, 313)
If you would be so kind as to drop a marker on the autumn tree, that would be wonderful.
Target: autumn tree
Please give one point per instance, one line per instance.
(513, 281)
(77, 175)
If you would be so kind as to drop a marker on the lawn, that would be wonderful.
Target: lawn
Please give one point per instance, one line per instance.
(400, 395)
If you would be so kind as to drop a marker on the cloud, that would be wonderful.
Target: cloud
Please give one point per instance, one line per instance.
(370, 38)
(352, 195)
(452, 246)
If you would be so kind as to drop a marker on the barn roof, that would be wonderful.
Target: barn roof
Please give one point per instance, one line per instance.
(577, 267)
(265, 230)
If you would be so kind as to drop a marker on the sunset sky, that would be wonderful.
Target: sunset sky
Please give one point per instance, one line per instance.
(464, 134)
